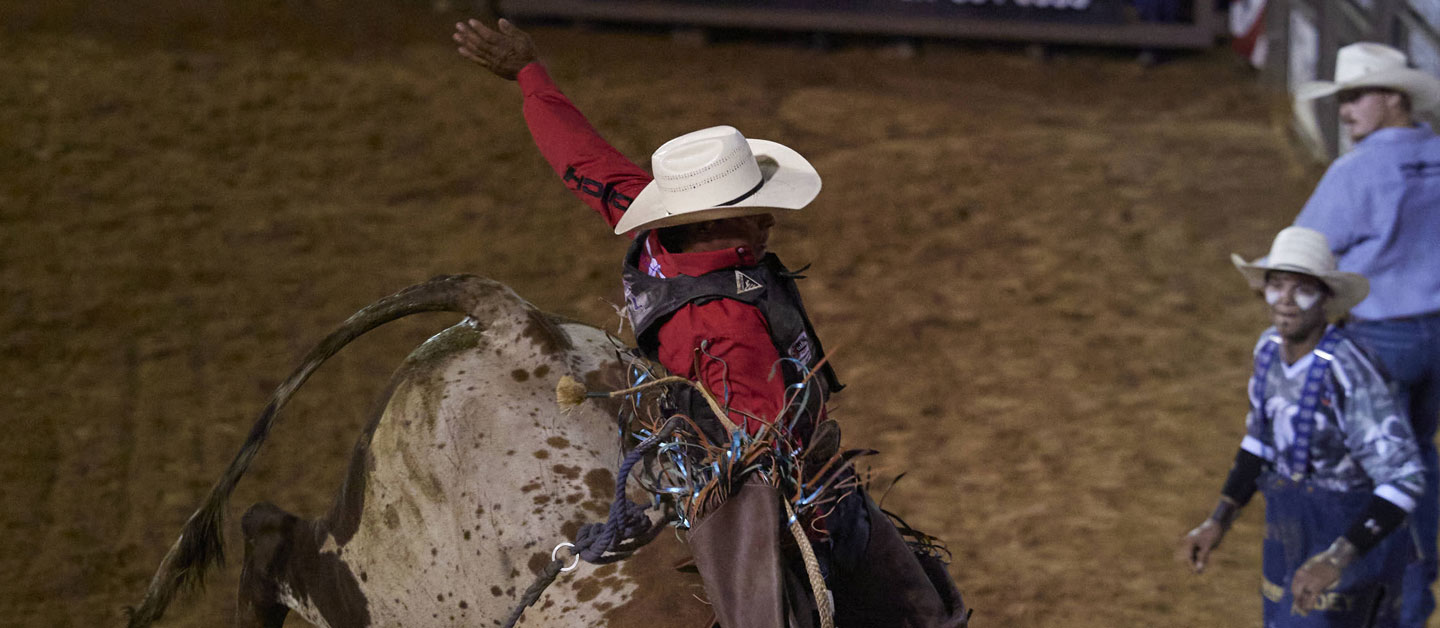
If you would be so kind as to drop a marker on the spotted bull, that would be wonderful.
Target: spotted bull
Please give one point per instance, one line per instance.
(455, 493)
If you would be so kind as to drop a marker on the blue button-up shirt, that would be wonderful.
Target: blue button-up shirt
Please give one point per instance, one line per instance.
(1379, 205)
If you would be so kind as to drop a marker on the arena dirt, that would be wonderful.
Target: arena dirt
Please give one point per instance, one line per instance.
(1019, 264)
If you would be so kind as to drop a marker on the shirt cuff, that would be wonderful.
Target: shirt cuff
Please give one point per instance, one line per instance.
(1389, 493)
(1254, 446)
(533, 78)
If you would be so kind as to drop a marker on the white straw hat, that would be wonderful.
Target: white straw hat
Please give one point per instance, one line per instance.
(1368, 64)
(1306, 251)
(717, 173)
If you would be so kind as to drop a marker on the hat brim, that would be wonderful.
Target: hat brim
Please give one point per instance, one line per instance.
(1424, 89)
(790, 184)
(1347, 289)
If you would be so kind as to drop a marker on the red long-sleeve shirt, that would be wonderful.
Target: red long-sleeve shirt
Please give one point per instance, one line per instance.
(739, 355)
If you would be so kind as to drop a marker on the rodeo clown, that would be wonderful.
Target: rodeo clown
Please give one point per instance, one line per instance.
(1328, 447)
(709, 302)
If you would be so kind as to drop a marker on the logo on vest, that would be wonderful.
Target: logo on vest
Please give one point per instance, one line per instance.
(743, 283)
(800, 349)
(635, 304)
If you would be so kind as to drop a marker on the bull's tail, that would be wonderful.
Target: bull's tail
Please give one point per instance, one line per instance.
(201, 542)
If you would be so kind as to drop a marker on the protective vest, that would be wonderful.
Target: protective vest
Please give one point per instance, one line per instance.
(768, 286)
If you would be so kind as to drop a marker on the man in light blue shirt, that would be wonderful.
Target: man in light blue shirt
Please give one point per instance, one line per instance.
(1379, 206)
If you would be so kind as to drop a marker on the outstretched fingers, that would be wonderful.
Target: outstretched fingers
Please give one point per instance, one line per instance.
(504, 52)
(475, 34)
(477, 42)
(508, 27)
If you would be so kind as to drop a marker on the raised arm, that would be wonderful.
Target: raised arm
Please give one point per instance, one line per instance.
(597, 173)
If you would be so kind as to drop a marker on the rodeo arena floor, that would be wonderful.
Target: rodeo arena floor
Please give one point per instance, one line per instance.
(1019, 264)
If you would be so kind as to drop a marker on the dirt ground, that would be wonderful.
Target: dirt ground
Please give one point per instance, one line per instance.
(1020, 265)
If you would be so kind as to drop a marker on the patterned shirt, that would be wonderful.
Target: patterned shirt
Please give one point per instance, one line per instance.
(1361, 440)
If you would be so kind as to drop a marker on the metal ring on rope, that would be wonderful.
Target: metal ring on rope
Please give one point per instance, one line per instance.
(569, 546)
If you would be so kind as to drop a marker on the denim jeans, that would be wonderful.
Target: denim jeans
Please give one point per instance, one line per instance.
(1301, 520)
(1409, 349)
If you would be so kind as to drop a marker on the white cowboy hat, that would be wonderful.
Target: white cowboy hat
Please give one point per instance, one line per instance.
(1306, 251)
(1368, 64)
(717, 173)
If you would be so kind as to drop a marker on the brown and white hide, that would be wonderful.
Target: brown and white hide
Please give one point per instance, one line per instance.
(456, 493)
(471, 478)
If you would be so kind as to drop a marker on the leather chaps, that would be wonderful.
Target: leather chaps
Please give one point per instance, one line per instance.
(752, 580)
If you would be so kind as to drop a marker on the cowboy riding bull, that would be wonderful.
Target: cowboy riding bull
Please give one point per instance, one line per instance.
(710, 302)
(420, 534)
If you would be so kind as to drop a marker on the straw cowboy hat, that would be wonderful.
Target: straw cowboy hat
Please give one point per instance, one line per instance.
(717, 173)
(1306, 251)
(1368, 64)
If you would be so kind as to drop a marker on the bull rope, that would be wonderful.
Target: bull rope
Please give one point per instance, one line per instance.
(570, 393)
(627, 519)
(626, 529)
(824, 603)
(532, 594)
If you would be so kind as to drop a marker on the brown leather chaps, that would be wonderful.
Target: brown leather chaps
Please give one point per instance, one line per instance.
(737, 550)
(753, 581)
(890, 584)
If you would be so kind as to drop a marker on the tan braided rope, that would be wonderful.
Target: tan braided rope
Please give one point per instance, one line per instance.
(570, 392)
(812, 569)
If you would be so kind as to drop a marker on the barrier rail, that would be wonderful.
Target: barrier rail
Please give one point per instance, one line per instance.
(1095, 22)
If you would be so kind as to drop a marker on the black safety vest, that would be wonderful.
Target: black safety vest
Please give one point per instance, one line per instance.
(768, 286)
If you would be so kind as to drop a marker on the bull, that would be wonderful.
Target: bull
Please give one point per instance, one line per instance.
(455, 494)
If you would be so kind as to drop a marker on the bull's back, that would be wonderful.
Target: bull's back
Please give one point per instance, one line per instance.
(474, 474)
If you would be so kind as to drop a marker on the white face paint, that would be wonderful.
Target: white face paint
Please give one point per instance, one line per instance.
(1305, 296)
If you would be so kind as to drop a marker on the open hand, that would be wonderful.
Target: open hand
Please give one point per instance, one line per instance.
(504, 51)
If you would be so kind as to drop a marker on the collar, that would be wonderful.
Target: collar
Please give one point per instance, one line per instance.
(698, 263)
(1395, 134)
(1298, 368)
